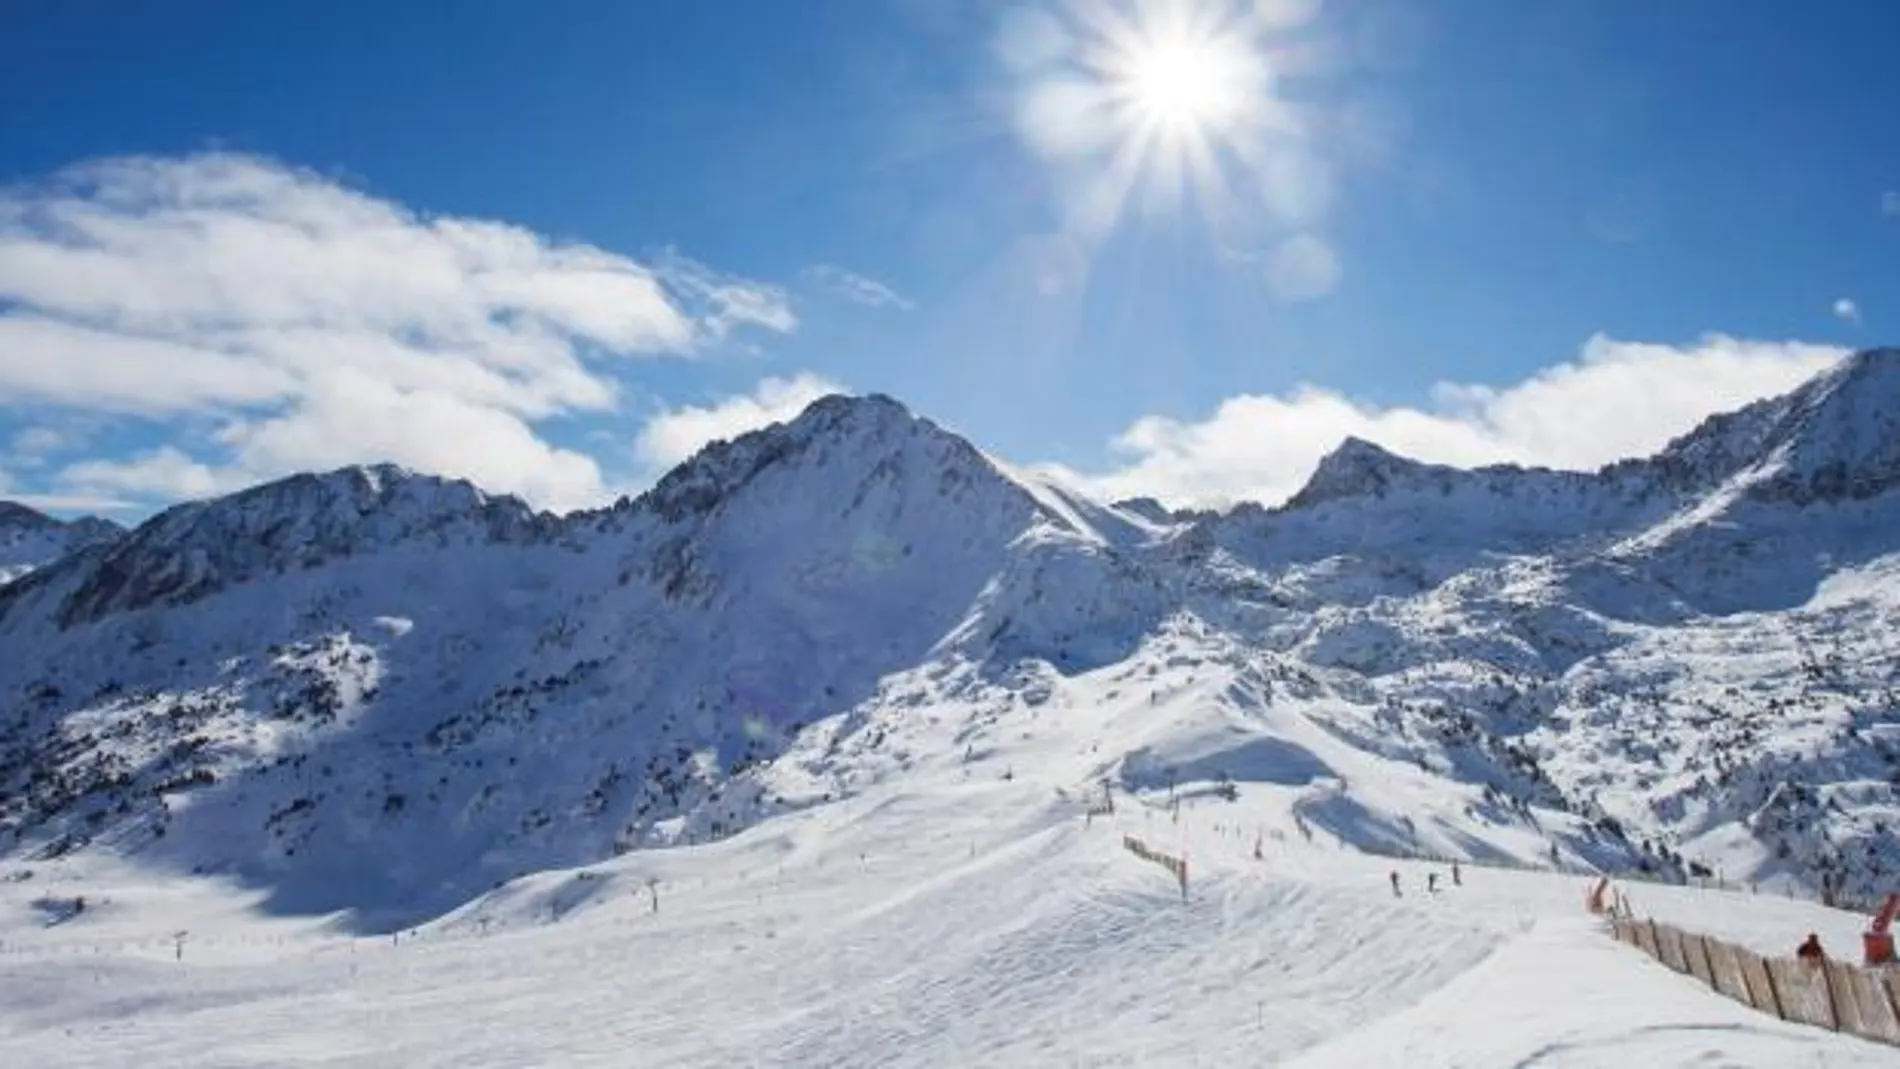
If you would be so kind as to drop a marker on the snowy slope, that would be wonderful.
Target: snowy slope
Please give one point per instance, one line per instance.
(30, 539)
(940, 922)
(383, 693)
(380, 691)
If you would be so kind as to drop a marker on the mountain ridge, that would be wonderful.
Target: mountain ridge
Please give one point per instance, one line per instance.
(30, 539)
(378, 691)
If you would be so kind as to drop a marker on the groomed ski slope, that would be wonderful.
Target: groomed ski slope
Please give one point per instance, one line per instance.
(985, 923)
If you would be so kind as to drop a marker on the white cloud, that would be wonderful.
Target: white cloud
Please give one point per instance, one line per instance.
(730, 302)
(35, 447)
(348, 416)
(319, 325)
(73, 503)
(857, 288)
(1619, 399)
(678, 433)
(59, 502)
(1846, 309)
(165, 472)
(38, 441)
(107, 369)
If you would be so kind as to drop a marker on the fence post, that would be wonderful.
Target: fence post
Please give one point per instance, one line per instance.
(1669, 947)
(1695, 952)
(1802, 990)
(1873, 1008)
(1760, 983)
(1726, 970)
(1840, 992)
(1891, 982)
(1646, 938)
(1835, 995)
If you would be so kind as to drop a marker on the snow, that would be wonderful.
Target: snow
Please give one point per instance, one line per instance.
(261, 680)
(1593, 1007)
(963, 922)
(30, 539)
(396, 626)
(846, 686)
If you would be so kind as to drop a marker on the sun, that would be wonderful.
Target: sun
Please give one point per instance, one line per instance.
(1173, 84)
(1154, 102)
(1181, 85)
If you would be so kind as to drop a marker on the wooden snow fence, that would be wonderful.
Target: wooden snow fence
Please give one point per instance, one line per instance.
(1838, 996)
(1177, 867)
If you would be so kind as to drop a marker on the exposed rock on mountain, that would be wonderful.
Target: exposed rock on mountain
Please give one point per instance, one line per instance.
(30, 539)
(382, 691)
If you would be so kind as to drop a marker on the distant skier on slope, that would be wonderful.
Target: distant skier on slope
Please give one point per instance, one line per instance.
(1457, 880)
(1395, 883)
(1431, 882)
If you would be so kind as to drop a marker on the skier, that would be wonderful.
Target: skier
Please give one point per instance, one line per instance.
(1431, 882)
(1395, 883)
(1456, 879)
(1810, 950)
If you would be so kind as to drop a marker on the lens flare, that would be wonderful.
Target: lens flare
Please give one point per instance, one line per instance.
(1174, 98)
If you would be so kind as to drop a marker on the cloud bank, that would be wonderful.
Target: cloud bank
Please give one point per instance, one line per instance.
(257, 320)
(1618, 399)
(272, 319)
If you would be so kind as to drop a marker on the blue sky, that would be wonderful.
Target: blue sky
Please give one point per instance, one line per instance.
(1551, 233)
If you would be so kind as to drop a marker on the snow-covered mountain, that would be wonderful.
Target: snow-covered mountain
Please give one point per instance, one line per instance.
(385, 692)
(30, 539)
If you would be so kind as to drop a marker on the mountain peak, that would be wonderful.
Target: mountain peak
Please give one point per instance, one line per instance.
(871, 427)
(1356, 467)
(30, 539)
(1882, 362)
(1837, 436)
(376, 476)
(1354, 449)
(192, 550)
(1840, 438)
(16, 516)
(1868, 381)
(834, 406)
